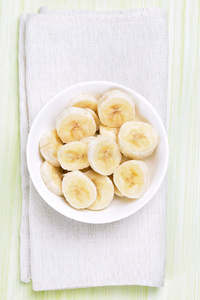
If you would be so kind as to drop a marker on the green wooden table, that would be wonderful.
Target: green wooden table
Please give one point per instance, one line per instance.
(183, 224)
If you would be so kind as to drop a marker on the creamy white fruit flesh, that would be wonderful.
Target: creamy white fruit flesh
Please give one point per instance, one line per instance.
(116, 191)
(75, 123)
(73, 156)
(52, 177)
(103, 155)
(50, 144)
(137, 139)
(105, 190)
(111, 132)
(115, 108)
(87, 139)
(96, 119)
(79, 191)
(77, 126)
(132, 178)
(83, 101)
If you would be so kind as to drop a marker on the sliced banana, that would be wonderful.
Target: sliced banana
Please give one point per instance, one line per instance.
(73, 156)
(115, 108)
(116, 191)
(137, 139)
(52, 177)
(105, 190)
(87, 139)
(75, 123)
(111, 132)
(78, 189)
(132, 178)
(96, 119)
(50, 144)
(84, 100)
(103, 155)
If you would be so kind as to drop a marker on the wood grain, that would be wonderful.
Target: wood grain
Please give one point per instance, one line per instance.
(183, 227)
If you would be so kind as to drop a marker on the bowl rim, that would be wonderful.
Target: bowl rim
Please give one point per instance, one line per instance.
(118, 86)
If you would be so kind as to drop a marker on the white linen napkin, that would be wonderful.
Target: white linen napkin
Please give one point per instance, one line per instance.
(57, 50)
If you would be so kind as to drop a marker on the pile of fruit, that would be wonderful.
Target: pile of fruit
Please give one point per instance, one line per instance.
(96, 151)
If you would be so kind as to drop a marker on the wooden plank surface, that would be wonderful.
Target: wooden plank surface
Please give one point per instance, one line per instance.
(183, 227)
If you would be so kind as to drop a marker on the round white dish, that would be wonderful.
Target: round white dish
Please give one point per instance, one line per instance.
(120, 207)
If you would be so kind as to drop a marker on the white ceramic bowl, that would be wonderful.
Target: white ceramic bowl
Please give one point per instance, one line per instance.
(119, 207)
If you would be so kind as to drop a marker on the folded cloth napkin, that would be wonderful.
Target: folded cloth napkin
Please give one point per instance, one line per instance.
(57, 50)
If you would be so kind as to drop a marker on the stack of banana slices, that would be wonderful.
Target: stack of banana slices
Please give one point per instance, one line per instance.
(96, 151)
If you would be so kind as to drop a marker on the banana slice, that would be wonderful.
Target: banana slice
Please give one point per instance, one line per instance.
(87, 139)
(110, 132)
(52, 177)
(83, 101)
(96, 119)
(115, 108)
(78, 189)
(73, 156)
(103, 155)
(137, 139)
(75, 123)
(116, 191)
(132, 178)
(105, 190)
(50, 144)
